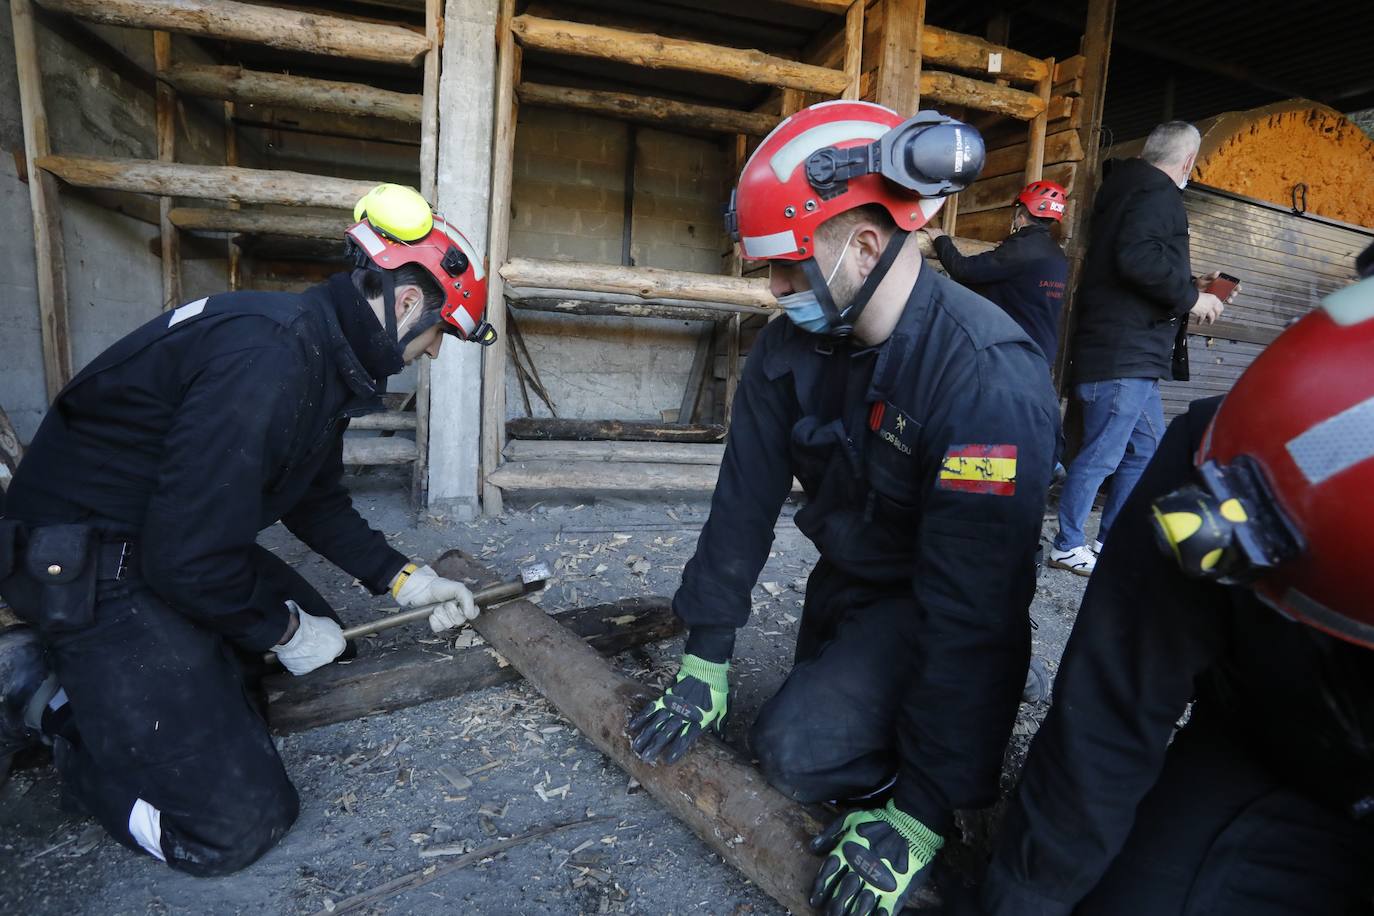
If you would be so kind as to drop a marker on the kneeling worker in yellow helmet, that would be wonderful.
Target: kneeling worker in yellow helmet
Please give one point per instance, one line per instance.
(128, 543)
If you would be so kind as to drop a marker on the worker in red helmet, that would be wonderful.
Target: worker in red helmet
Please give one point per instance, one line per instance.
(128, 542)
(1027, 272)
(1238, 579)
(921, 422)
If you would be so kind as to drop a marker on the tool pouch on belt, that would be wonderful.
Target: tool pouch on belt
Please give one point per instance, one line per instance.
(60, 562)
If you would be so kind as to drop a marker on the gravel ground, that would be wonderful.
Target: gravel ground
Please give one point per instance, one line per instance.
(375, 805)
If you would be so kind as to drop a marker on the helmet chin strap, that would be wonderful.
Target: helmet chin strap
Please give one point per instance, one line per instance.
(842, 321)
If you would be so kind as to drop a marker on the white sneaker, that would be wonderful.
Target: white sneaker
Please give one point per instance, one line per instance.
(1078, 560)
(1097, 548)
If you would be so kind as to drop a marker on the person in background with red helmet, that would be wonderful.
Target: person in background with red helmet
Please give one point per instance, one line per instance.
(921, 423)
(1025, 275)
(1238, 578)
(128, 543)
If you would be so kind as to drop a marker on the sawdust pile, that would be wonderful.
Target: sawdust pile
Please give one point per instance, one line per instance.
(1266, 152)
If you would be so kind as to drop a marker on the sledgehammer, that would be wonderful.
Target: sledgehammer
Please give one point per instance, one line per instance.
(532, 578)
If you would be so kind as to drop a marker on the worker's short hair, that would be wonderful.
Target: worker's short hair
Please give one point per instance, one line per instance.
(1170, 143)
(1042, 220)
(369, 283)
(837, 228)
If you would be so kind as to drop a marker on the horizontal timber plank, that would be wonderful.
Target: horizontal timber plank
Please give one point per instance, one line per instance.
(661, 452)
(645, 282)
(378, 450)
(207, 182)
(575, 302)
(647, 109)
(386, 419)
(235, 84)
(604, 476)
(658, 52)
(210, 219)
(1064, 146)
(612, 430)
(994, 193)
(288, 30)
(408, 676)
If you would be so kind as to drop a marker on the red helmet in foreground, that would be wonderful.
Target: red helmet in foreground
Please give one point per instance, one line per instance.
(395, 226)
(1287, 467)
(1044, 200)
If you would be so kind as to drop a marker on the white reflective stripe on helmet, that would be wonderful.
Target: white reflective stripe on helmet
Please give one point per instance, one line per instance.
(769, 246)
(364, 235)
(931, 206)
(1336, 443)
(797, 150)
(145, 826)
(464, 320)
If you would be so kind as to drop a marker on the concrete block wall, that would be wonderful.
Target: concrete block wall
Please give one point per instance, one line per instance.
(568, 204)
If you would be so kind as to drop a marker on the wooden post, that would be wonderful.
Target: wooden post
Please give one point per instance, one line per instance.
(899, 68)
(503, 155)
(1035, 137)
(288, 30)
(752, 826)
(231, 159)
(1097, 46)
(49, 248)
(854, 48)
(949, 214)
(696, 374)
(166, 152)
(429, 163)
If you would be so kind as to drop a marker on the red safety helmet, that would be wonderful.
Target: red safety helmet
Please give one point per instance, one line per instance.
(396, 226)
(1287, 467)
(1044, 199)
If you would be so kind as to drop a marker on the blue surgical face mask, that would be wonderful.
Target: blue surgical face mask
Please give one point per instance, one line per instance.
(804, 308)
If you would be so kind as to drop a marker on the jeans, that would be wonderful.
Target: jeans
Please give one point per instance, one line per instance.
(1123, 420)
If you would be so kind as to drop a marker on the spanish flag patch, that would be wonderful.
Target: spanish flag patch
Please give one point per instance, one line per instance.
(979, 469)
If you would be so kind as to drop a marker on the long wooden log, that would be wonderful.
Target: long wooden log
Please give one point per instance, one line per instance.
(648, 110)
(210, 219)
(617, 430)
(207, 182)
(714, 791)
(703, 453)
(404, 677)
(583, 302)
(965, 52)
(379, 450)
(657, 52)
(1063, 146)
(645, 282)
(258, 88)
(287, 30)
(953, 89)
(562, 477)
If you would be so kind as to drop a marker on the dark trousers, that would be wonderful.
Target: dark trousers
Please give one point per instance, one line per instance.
(1219, 835)
(164, 712)
(830, 732)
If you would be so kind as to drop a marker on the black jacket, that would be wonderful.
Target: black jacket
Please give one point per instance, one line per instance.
(1137, 279)
(208, 424)
(1025, 276)
(925, 463)
(1147, 641)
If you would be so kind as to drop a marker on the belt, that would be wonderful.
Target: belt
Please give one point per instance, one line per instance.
(116, 560)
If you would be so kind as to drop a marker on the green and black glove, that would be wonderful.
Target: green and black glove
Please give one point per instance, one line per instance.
(877, 858)
(671, 724)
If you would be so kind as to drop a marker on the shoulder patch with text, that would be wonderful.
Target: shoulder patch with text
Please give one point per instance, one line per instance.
(979, 469)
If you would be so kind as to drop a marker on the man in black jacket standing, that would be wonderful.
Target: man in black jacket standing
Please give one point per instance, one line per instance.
(1025, 275)
(1237, 579)
(1137, 286)
(920, 421)
(128, 542)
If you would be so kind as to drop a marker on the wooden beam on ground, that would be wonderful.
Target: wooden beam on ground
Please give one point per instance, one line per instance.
(379, 450)
(647, 109)
(255, 87)
(645, 282)
(899, 66)
(166, 152)
(705, 453)
(50, 257)
(560, 476)
(616, 430)
(713, 790)
(260, 222)
(253, 23)
(1035, 138)
(498, 243)
(402, 677)
(207, 182)
(657, 52)
(576, 302)
(386, 419)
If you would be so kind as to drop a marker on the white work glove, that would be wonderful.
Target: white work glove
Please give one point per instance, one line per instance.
(317, 641)
(416, 587)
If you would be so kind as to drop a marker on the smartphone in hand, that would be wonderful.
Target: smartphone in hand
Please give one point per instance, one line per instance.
(1223, 286)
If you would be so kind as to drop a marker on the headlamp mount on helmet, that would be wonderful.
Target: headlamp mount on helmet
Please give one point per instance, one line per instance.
(929, 154)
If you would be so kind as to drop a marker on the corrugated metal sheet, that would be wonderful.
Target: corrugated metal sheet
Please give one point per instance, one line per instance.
(1286, 263)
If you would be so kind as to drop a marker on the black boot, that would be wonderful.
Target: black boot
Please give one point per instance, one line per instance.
(26, 686)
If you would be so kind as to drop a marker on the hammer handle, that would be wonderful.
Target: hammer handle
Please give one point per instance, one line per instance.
(486, 597)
